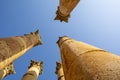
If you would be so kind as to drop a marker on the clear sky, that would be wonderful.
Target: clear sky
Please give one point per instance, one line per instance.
(96, 22)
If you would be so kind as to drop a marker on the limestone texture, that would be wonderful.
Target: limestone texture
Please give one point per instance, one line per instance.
(12, 48)
(82, 61)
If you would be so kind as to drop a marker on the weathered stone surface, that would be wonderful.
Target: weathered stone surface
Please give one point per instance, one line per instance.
(13, 47)
(82, 61)
(65, 8)
(34, 70)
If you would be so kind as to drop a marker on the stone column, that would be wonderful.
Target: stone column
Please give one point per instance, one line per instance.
(7, 71)
(34, 70)
(59, 71)
(12, 48)
(82, 61)
(65, 8)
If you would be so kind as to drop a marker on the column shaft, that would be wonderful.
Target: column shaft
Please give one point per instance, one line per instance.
(35, 69)
(65, 8)
(82, 61)
(59, 71)
(13, 47)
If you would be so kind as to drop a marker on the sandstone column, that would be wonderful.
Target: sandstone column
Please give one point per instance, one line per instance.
(82, 61)
(34, 70)
(65, 8)
(12, 48)
(59, 71)
(7, 71)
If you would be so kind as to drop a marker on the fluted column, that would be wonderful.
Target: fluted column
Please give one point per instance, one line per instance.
(12, 48)
(7, 71)
(59, 71)
(82, 61)
(34, 70)
(65, 8)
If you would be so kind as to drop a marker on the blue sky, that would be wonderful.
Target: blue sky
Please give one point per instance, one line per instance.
(96, 22)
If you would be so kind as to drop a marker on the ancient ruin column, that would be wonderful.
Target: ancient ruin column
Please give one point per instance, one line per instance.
(12, 48)
(59, 71)
(7, 71)
(82, 61)
(65, 8)
(34, 70)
